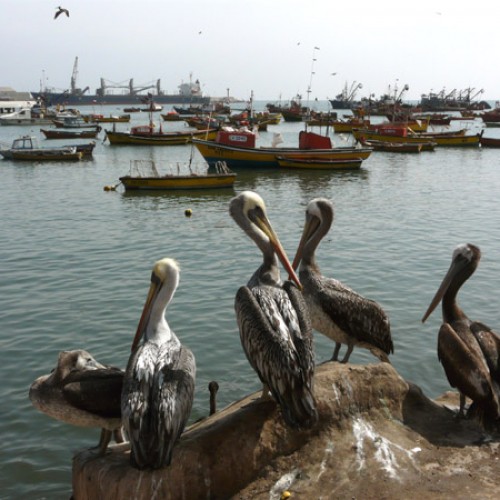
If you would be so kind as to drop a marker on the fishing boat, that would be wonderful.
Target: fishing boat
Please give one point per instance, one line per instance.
(237, 148)
(107, 119)
(318, 163)
(71, 134)
(490, 142)
(399, 147)
(72, 122)
(446, 139)
(26, 148)
(345, 126)
(192, 179)
(146, 135)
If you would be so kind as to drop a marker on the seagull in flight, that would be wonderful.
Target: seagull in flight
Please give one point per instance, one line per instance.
(61, 11)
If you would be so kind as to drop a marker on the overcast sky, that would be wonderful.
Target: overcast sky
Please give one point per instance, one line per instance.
(264, 46)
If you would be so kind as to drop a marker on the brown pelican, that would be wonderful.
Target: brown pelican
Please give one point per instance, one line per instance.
(468, 350)
(60, 11)
(159, 381)
(337, 311)
(274, 326)
(82, 392)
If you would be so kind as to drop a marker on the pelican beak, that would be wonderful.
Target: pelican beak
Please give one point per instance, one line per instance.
(455, 267)
(310, 227)
(141, 327)
(265, 226)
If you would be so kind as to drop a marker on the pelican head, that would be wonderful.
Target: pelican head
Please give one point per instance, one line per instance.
(319, 218)
(249, 211)
(464, 262)
(164, 282)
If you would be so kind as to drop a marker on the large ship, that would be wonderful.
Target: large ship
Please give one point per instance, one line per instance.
(110, 93)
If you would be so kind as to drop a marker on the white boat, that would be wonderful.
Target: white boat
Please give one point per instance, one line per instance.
(32, 116)
(7, 106)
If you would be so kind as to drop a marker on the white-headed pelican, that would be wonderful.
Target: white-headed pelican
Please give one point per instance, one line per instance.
(337, 311)
(159, 381)
(274, 326)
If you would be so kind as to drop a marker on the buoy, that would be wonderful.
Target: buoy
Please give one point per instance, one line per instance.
(286, 494)
(109, 188)
(188, 212)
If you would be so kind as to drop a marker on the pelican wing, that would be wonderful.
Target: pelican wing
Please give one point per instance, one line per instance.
(96, 391)
(271, 336)
(462, 367)
(489, 341)
(361, 318)
(172, 398)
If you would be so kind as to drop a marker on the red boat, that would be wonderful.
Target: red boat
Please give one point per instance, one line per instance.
(489, 142)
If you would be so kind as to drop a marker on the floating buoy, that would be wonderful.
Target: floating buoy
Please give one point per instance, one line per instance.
(109, 188)
(188, 212)
(286, 494)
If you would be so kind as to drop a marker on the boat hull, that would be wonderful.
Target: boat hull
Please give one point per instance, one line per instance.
(256, 158)
(166, 139)
(175, 183)
(48, 155)
(490, 142)
(318, 164)
(70, 134)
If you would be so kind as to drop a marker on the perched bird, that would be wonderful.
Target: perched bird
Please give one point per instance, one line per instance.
(158, 388)
(468, 350)
(337, 311)
(60, 11)
(274, 326)
(82, 392)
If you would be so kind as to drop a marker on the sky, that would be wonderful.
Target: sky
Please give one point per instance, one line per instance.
(273, 49)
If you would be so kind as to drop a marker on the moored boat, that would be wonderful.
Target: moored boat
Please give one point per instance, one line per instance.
(145, 135)
(237, 148)
(446, 139)
(71, 134)
(26, 148)
(399, 147)
(107, 119)
(490, 142)
(318, 163)
(221, 178)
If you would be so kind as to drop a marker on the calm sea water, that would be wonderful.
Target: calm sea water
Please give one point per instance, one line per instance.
(75, 264)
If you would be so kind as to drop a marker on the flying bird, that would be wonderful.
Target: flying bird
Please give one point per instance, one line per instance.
(82, 392)
(274, 325)
(61, 11)
(468, 350)
(158, 388)
(337, 311)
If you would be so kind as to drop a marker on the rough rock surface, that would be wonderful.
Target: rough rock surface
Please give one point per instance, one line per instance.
(378, 437)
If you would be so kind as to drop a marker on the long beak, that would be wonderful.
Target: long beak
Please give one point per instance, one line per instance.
(310, 227)
(141, 327)
(265, 226)
(455, 267)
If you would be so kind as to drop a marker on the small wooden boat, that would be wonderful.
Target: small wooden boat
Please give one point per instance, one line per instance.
(107, 119)
(221, 178)
(318, 163)
(145, 135)
(490, 142)
(346, 126)
(71, 134)
(26, 148)
(398, 147)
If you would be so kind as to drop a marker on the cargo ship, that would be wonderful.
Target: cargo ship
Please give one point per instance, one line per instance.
(110, 93)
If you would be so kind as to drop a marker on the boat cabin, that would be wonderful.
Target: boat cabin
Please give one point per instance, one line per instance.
(310, 140)
(239, 138)
(25, 142)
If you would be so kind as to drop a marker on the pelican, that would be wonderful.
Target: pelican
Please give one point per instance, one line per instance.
(468, 350)
(337, 311)
(158, 388)
(82, 392)
(274, 326)
(60, 11)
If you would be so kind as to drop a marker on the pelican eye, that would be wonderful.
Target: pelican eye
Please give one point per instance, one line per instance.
(155, 279)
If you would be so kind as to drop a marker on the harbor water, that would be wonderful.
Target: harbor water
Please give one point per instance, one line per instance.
(75, 264)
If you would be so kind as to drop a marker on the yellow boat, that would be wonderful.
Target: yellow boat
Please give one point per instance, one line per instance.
(237, 149)
(106, 119)
(144, 135)
(318, 163)
(442, 140)
(221, 178)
